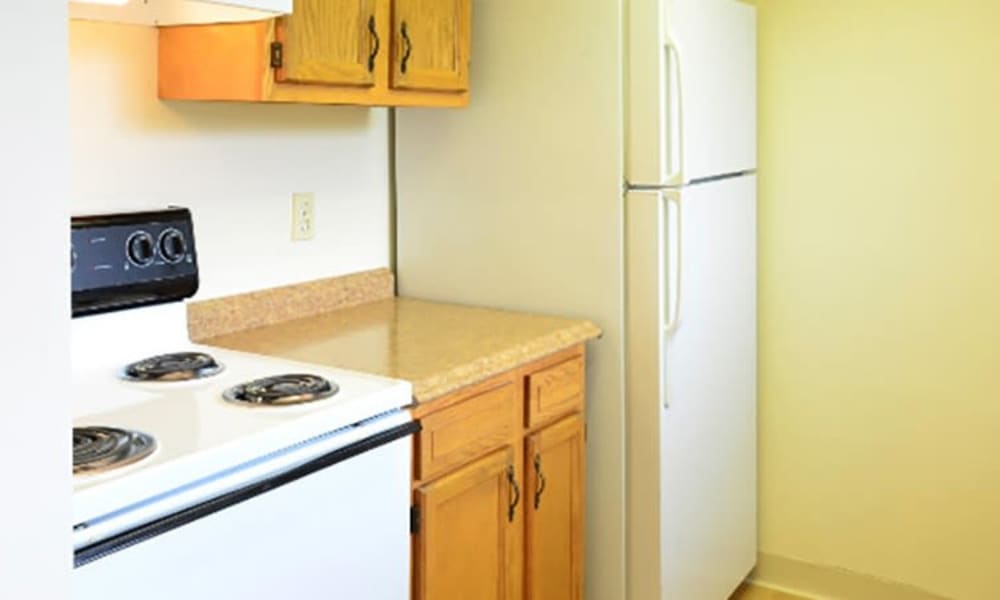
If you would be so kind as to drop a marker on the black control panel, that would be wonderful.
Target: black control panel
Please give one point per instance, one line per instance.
(125, 260)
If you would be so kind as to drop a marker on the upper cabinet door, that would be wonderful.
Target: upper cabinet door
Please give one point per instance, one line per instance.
(332, 42)
(431, 44)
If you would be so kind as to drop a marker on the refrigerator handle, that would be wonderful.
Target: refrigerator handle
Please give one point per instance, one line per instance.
(672, 261)
(670, 290)
(672, 123)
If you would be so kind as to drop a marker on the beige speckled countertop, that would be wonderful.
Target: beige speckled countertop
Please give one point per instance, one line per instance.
(438, 347)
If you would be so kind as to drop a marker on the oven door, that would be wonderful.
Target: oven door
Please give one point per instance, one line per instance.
(334, 526)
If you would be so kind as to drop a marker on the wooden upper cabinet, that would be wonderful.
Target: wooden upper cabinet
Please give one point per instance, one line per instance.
(432, 43)
(467, 538)
(325, 52)
(554, 492)
(332, 42)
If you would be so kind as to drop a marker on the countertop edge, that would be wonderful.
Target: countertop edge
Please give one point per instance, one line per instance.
(481, 369)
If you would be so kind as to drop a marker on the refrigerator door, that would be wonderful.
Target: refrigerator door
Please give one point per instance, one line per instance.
(692, 389)
(690, 90)
(646, 312)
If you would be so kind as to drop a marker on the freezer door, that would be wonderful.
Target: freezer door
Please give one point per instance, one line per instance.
(690, 90)
(692, 389)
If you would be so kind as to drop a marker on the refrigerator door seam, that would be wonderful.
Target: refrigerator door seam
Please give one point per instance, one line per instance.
(653, 187)
(722, 177)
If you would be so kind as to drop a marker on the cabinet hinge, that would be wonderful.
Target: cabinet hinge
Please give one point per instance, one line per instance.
(414, 519)
(277, 55)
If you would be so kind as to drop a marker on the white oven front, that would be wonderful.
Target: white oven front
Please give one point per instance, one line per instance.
(334, 525)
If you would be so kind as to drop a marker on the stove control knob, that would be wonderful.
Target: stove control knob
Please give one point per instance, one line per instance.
(173, 246)
(139, 249)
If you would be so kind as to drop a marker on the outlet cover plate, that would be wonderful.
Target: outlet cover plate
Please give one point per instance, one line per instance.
(303, 216)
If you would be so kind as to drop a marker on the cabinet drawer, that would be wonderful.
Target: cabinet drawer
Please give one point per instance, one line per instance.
(463, 432)
(555, 391)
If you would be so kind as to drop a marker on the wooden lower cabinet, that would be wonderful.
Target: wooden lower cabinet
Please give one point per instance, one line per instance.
(507, 522)
(466, 539)
(553, 511)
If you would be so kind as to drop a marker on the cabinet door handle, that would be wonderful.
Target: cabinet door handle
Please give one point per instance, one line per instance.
(540, 486)
(377, 45)
(516, 490)
(408, 47)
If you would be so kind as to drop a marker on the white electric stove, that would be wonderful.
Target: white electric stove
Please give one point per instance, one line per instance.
(208, 473)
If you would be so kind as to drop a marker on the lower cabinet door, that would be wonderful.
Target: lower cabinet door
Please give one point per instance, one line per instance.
(466, 544)
(554, 490)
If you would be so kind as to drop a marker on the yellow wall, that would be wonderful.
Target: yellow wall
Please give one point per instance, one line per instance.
(880, 289)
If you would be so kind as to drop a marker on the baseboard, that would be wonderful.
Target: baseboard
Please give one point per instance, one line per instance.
(822, 582)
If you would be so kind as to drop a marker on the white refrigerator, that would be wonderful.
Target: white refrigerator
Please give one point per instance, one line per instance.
(605, 169)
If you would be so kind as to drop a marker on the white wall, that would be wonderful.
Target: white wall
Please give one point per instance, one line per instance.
(235, 165)
(34, 306)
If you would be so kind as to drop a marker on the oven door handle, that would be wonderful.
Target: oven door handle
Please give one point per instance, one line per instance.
(158, 527)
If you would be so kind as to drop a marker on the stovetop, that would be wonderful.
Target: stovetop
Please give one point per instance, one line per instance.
(198, 432)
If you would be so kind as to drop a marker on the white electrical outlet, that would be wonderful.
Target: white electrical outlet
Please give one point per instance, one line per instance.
(303, 216)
